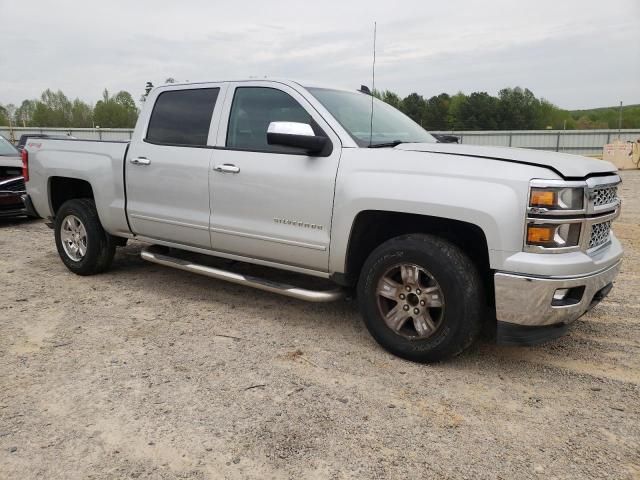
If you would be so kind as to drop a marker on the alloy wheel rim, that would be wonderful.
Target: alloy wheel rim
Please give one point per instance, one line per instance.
(74, 238)
(410, 301)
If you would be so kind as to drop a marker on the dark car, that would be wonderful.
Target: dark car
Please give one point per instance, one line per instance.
(443, 138)
(12, 185)
(23, 138)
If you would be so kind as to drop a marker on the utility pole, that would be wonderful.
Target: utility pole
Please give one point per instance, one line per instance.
(620, 121)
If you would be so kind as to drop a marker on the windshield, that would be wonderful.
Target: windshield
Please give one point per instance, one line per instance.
(353, 111)
(7, 149)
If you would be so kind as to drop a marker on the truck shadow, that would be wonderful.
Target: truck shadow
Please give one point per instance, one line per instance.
(341, 316)
(17, 221)
(339, 322)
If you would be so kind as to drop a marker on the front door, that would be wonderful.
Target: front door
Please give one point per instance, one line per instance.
(167, 169)
(271, 202)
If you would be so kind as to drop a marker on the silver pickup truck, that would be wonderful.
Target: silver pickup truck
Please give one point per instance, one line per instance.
(437, 240)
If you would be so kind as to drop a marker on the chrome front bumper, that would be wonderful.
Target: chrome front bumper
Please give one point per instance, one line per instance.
(529, 300)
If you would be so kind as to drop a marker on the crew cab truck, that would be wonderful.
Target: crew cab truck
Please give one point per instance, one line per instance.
(434, 238)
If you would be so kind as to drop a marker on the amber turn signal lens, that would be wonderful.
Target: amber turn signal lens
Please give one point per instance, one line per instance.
(543, 198)
(537, 235)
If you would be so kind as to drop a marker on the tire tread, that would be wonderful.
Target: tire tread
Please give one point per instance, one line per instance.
(469, 301)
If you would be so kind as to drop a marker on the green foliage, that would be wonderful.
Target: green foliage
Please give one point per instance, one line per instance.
(391, 98)
(436, 112)
(119, 111)
(4, 117)
(24, 113)
(607, 116)
(81, 114)
(414, 106)
(518, 109)
(52, 110)
(479, 111)
(454, 115)
(513, 109)
(7, 114)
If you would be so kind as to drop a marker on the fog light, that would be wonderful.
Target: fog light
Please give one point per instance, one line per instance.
(564, 297)
(560, 294)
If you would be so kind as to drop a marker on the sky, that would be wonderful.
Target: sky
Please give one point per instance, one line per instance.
(574, 53)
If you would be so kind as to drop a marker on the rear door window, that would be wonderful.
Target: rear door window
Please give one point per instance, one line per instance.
(182, 117)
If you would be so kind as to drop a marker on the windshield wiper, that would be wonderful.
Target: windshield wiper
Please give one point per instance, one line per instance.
(395, 143)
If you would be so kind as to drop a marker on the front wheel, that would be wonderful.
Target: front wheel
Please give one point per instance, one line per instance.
(421, 298)
(83, 245)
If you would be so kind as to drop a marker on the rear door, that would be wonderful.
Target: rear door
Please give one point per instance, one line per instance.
(167, 166)
(271, 202)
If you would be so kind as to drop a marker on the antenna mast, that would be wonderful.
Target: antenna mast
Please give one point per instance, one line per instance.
(373, 80)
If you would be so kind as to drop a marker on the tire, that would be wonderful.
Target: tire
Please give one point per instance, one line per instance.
(95, 253)
(434, 279)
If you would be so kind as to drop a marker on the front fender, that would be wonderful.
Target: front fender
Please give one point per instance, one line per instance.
(494, 202)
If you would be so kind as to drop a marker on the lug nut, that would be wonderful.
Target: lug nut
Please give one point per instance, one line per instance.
(402, 296)
(406, 307)
(416, 311)
(408, 288)
(418, 291)
(423, 303)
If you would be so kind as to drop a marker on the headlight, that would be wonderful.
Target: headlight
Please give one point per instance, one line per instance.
(556, 198)
(553, 235)
(570, 215)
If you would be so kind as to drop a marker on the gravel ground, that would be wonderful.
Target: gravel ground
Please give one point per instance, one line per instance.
(147, 372)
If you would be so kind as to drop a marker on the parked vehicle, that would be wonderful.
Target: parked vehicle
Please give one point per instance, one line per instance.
(435, 238)
(23, 138)
(443, 138)
(12, 185)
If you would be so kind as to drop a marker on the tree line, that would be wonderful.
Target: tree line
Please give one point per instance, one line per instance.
(512, 109)
(55, 109)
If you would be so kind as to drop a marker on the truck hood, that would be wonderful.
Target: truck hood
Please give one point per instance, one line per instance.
(564, 164)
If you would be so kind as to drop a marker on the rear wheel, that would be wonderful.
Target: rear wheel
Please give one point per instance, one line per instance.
(421, 297)
(83, 245)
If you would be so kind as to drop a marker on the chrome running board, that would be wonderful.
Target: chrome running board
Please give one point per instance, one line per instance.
(153, 255)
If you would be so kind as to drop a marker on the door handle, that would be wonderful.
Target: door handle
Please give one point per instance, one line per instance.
(227, 168)
(140, 161)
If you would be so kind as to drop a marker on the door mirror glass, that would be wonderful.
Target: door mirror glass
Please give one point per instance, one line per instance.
(294, 134)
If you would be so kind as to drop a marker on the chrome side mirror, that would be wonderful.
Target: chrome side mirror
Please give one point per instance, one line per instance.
(297, 135)
(291, 128)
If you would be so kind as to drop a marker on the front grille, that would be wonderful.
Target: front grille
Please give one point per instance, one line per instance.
(13, 185)
(599, 234)
(605, 195)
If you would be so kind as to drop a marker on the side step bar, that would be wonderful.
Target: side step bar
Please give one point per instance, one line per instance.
(152, 255)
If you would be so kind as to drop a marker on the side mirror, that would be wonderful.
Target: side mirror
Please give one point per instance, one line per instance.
(294, 134)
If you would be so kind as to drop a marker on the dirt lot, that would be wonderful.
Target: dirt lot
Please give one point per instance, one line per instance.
(147, 372)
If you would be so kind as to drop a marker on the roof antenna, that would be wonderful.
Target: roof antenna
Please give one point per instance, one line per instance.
(373, 80)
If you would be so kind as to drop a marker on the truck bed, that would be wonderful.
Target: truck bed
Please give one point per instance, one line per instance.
(98, 163)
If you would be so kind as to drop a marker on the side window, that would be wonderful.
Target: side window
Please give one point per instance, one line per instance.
(253, 109)
(182, 117)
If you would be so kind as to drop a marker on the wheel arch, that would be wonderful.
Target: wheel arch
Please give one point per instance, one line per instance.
(371, 228)
(61, 189)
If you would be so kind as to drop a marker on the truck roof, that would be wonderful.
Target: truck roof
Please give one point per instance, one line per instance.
(286, 81)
